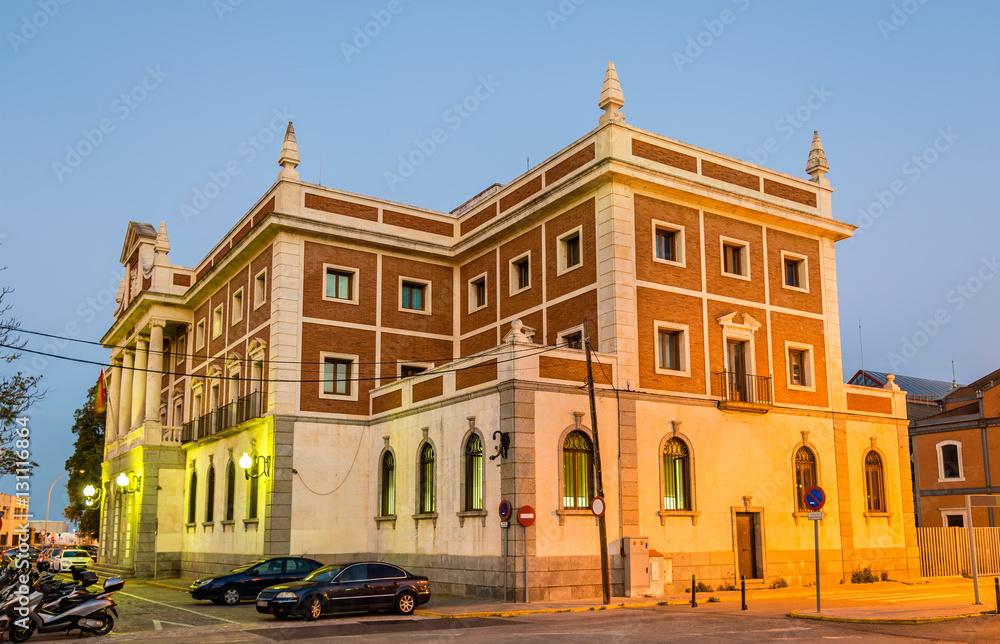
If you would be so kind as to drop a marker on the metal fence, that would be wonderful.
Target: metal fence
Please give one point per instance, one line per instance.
(944, 552)
(223, 418)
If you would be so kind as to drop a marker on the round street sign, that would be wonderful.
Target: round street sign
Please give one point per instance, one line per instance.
(526, 515)
(815, 497)
(597, 506)
(505, 510)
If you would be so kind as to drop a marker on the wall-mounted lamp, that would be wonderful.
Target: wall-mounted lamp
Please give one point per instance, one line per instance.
(129, 484)
(262, 463)
(92, 495)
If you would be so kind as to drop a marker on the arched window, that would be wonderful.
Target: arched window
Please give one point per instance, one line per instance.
(230, 491)
(805, 476)
(474, 473)
(578, 471)
(210, 496)
(387, 502)
(426, 479)
(193, 498)
(676, 475)
(874, 482)
(254, 490)
(950, 461)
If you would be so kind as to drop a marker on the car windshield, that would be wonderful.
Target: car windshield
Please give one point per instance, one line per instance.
(326, 573)
(247, 566)
(75, 553)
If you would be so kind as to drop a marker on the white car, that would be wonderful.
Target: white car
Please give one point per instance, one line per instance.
(66, 560)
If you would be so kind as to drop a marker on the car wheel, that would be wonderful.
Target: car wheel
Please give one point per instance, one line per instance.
(405, 603)
(230, 595)
(314, 608)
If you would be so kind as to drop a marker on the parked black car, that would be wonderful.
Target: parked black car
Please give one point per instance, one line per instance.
(244, 582)
(367, 585)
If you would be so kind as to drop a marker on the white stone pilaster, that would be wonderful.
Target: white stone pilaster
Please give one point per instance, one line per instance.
(125, 399)
(616, 304)
(154, 376)
(286, 285)
(139, 381)
(114, 392)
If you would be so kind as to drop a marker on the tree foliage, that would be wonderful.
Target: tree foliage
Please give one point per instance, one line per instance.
(18, 392)
(84, 465)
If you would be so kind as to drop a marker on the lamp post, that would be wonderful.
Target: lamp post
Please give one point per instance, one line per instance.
(47, 503)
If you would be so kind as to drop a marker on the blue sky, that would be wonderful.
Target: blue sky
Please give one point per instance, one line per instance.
(904, 95)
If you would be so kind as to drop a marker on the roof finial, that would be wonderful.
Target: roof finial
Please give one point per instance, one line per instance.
(162, 244)
(289, 157)
(612, 98)
(817, 166)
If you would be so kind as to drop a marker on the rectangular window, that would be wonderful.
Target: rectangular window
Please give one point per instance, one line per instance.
(572, 250)
(179, 412)
(800, 371)
(520, 274)
(568, 250)
(237, 310)
(573, 340)
(407, 370)
(181, 348)
(477, 293)
(670, 350)
(413, 296)
(666, 245)
(792, 268)
(339, 284)
(796, 360)
(199, 335)
(337, 376)
(260, 289)
(732, 257)
(217, 322)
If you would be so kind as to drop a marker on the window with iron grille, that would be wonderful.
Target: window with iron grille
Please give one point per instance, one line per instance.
(578, 471)
(254, 490)
(387, 492)
(805, 476)
(210, 496)
(676, 475)
(230, 491)
(474, 473)
(426, 479)
(874, 482)
(193, 498)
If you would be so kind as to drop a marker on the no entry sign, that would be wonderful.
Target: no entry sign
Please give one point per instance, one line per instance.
(526, 515)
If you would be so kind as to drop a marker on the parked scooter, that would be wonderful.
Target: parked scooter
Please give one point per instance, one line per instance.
(54, 606)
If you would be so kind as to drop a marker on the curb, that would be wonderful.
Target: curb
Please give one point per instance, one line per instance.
(537, 611)
(159, 585)
(884, 620)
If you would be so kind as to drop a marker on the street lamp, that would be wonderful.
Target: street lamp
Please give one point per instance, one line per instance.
(92, 495)
(129, 484)
(49, 501)
(262, 463)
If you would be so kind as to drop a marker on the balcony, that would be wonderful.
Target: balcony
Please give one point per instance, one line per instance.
(223, 418)
(744, 392)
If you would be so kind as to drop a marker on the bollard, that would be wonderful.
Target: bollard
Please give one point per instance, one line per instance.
(743, 592)
(996, 587)
(694, 603)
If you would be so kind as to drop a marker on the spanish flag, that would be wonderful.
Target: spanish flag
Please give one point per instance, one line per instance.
(102, 394)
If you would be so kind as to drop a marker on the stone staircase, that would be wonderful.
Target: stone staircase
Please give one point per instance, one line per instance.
(109, 570)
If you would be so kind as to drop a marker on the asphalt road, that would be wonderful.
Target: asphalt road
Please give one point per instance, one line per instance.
(149, 613)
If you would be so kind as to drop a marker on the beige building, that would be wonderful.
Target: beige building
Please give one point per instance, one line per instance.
(346, 377)
(14, 508)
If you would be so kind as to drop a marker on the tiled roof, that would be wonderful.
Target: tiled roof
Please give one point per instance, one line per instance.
(964, 410)
(911, 385)
(987, 381)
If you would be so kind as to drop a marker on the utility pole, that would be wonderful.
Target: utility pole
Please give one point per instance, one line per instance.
(605, 574)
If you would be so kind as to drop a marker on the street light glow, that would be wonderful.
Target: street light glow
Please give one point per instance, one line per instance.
(246, 461)
(122, 479)
(89, 490)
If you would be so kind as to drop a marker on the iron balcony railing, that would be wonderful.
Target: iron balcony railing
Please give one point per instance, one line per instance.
(223, 418)
(744, 390)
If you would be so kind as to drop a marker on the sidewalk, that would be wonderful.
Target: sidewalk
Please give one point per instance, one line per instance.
(879, 603)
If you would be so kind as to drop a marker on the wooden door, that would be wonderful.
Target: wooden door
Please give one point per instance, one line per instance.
(746, 544)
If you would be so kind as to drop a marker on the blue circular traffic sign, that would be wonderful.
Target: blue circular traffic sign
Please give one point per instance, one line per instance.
(815, 497)
(505, 510)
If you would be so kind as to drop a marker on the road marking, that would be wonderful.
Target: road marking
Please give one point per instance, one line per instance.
(187, 610)
(158, 624)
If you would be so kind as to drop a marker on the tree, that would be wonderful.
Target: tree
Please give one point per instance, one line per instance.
(84, 465)
(18, 392)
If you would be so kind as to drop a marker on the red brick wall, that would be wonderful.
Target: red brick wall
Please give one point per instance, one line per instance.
(346, 208)
(428, 389)
(408, 348)
(567, 369)
(571, 313)
(570, 164)
(586, 274)
(477, 375)
(261, 262)
(791, 193)
(239, 281)
(521, 193)
(646, 210)
(440, 320)
(794, 328)
(874, 404)
(314, 284)
(480, 342)
(679, 309)
(973, 467)
(730, 175)
(531, 240)
(413, 222)
(481, 217)
(778, 241)
(664, 156)
(317, 338)
(388, 401)
(716, 356)
(484, 264)
(717, 226)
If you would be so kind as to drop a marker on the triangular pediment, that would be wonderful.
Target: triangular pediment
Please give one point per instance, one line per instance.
(134, 235)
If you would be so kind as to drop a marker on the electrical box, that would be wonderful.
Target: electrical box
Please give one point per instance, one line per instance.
(636, 566)
(661, 573)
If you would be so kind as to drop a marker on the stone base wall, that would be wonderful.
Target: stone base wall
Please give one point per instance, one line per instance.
(165, 565)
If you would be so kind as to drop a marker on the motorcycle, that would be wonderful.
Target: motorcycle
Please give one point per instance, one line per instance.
(54, 606)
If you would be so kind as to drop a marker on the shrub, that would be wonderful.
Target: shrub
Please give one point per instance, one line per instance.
(885, 576)
(779, 583)
(865, 576)
(727, 587)
(713, 599)
(702, 587)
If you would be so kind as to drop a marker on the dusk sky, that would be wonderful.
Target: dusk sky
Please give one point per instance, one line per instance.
(174, 112)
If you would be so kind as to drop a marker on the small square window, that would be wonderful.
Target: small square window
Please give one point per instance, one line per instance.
(339, 284)
(199, 335)
(800, 367)
(520, 274)
(260, 289)
(217, 322)
(413, 296)
(666, 244)
(568, 250)
(572, 340)
(337, 376)
(732, 259)
(670, 342)
(796, 360)
(794, 272)
(237, 310)
(670, 355)
(408, 370)
(477, 293)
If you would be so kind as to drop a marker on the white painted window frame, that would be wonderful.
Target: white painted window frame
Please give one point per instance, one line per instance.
(562, 255)
(237, 311)
(678, 243)
(744, 257)
(352, 377)
(803, 271)
(940, 460)
(473, 307)
(218, 319)
(808, 367)
(561, 337)
(199, 334)
(512, 271)
(356, 277)
(426, 295)
(684, 345)
(259, 295)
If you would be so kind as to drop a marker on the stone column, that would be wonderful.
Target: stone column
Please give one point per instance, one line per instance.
(154, 377)
(125, 399)
(114, 390)
(139, 381)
